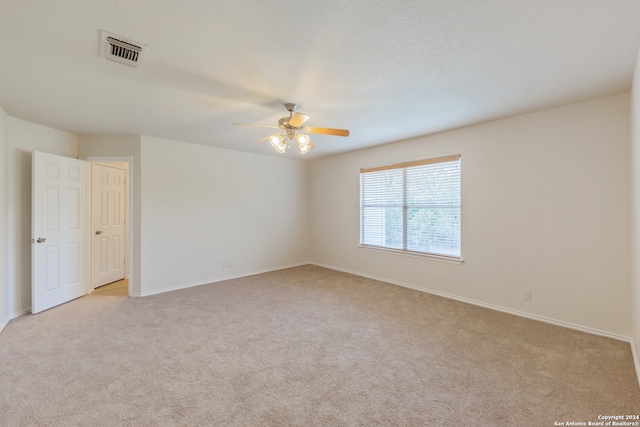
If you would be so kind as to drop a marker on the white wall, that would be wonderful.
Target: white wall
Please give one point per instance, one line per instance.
(203, 206)
(112, 146)
(545, 207)
(24, 138)
(635, 198)
(5, 290)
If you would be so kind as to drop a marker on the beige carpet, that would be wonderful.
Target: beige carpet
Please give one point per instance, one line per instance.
(303, 347)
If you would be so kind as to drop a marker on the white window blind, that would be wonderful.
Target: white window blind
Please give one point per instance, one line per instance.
(413, 206)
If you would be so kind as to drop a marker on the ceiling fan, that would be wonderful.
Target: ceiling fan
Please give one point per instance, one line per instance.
(292, 129)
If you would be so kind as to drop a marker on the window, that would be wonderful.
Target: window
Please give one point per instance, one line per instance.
(412, 207)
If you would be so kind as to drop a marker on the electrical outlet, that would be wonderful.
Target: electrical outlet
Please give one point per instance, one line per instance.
(526, 295)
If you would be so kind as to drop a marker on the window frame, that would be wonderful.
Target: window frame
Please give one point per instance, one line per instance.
(406, 206)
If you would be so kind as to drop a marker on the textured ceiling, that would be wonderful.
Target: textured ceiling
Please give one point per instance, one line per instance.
(385, 70)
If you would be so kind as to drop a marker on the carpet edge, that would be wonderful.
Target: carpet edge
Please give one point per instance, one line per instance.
(219, 279)
(518, 313)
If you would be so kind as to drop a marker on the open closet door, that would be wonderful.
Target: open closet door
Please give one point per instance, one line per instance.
(108, 218)
(59, 230)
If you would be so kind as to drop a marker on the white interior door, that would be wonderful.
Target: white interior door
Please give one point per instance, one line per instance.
(59, 230)
(109, 228)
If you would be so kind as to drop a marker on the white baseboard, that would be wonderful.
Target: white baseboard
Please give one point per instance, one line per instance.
(187, 285)
(486, 305)
(218, 279)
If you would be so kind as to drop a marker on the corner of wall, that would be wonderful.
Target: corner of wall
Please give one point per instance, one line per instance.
(5, 289)
(635, 214)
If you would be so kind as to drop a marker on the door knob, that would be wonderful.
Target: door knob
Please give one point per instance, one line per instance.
(41, 240)
(99, 232)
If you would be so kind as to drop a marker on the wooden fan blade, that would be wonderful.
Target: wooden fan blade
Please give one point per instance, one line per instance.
(327, 131)
(259, 126)
(298, 119)
(262, 139)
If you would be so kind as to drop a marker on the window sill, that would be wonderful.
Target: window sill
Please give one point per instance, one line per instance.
(443, 258)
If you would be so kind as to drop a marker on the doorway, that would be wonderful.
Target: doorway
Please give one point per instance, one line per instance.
(110, 238)
(108, 223)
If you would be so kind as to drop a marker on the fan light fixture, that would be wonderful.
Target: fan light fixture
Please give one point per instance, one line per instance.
(292, 129)
(280, 141)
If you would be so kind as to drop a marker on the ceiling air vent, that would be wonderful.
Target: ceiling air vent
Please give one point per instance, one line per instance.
(122, 50)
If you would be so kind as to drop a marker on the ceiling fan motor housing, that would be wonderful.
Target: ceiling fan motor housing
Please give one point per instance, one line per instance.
(284, 122)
